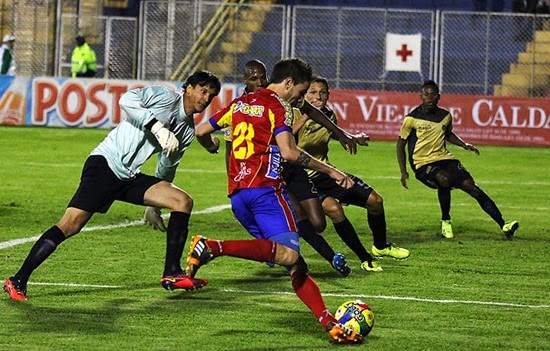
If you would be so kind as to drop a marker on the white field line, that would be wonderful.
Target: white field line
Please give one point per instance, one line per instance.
(343, 296)
(404, 298)
(15, 242)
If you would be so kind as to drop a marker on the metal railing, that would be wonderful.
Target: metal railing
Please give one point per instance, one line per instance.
(195, 59)
(465, 52)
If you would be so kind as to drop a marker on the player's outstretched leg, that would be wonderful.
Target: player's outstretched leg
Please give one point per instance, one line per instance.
(199, 255)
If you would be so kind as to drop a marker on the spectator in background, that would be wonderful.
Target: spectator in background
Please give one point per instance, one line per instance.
(83, 61)
(8, 61)
(543, 8)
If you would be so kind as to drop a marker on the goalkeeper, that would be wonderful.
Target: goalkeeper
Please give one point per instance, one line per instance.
(159, 120)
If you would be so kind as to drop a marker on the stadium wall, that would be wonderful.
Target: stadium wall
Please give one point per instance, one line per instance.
(93, 103)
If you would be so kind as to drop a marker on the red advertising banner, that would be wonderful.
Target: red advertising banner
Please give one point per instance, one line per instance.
(93, 103)
(477, 119)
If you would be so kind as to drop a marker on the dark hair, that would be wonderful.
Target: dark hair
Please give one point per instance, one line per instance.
(253, 65)
(319, 79)
(430, 84)
(203, 78)
(297, 69)
(80, 40)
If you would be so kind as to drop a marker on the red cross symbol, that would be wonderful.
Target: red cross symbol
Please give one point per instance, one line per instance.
(404, 53)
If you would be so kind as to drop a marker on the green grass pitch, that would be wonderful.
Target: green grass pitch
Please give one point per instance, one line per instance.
(100, 290)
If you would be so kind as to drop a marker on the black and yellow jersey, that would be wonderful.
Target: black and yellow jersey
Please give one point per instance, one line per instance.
(425, 134)
(314, 138)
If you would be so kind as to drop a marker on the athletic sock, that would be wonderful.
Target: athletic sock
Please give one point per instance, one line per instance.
(261, 250)
(490, 208)
(176, 235)
(315, 240)
(349, 236)
(377, 224)
(444, 197)
(41, 250)
(308, 291)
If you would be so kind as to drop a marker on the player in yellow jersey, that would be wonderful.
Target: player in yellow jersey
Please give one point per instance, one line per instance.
(426, 131)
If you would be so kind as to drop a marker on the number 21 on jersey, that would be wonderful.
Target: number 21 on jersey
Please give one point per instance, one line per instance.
(242, 140)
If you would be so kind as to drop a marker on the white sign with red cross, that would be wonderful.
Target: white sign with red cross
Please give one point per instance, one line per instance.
(403, 52)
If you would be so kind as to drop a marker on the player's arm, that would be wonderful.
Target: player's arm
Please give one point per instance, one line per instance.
(203, 133)
(402, 160)
(360, 138)
(293, 154)
(456, 140)
(299, 122)
(347, 140)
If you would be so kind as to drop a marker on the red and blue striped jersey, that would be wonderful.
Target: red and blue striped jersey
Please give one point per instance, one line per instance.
(255, 119)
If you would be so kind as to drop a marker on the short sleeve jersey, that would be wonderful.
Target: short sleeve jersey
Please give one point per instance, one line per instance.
(314, 138)
(255, 119)
(425, 134)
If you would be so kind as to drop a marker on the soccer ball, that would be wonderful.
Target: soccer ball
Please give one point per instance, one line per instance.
(357, 315)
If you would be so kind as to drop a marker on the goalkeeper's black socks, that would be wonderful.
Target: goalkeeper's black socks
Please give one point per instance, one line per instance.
(176, 235)
(41, 250)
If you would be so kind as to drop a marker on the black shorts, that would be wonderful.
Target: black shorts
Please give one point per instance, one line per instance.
(458, 173)
(357, 195)
(100, 187)
(298, 183)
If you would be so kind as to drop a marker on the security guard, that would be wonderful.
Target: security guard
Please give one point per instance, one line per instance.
(83, 60)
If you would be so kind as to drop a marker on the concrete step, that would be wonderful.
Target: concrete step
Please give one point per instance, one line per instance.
(222, 67)
(535, 47)
(539, 57)
(240, 37)
(234, 48)
(524, 80)
(501, 90)
(119, 4)
(542, 36)
(523, 68)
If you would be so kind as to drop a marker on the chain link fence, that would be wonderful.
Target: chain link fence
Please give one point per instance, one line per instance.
(33, 24)
(486, 53)
(114, 40)
(493, 53)
(347, 45)
(228, 36)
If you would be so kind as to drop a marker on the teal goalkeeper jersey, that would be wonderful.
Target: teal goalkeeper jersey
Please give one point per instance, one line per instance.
(129, 145)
